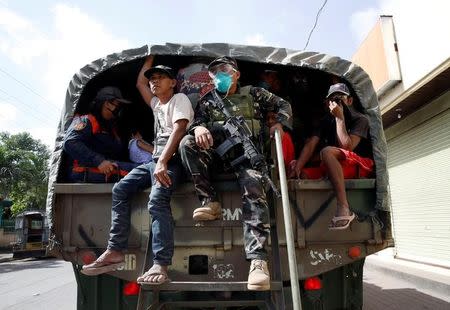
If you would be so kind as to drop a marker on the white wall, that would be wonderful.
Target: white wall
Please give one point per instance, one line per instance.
(423, 35)
(422, 31)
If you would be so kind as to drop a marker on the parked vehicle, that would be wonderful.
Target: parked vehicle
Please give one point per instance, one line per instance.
(209, 268)
(32, 234)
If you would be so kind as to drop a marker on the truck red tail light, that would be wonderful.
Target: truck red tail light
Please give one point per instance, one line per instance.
(313, 284)
(131, 289)
(354, 252)
(87, 258)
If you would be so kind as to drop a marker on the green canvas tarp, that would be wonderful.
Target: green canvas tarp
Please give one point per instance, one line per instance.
(347, 70)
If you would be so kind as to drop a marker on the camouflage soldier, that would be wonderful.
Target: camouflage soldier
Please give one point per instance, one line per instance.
(207, 131)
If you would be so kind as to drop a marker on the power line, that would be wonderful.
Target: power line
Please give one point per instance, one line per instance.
(27, 124)
(315, 23)
(46, 37)
(27, 87)
(39, 117)
(27, 104)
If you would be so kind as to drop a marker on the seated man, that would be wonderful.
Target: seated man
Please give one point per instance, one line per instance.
(92, 142)
(212, 116)
(173, 113)
(270, 80)
(342, 135)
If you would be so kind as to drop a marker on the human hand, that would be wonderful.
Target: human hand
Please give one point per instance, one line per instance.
(291, 169)
(203, 137)
(161, 174)
(336, 109)
(274, 127)
(137, 136)
(149, 60)
(297, 167)
(107, 167)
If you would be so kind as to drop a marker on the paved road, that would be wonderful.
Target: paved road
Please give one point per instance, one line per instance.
(49, 284)
(382, 291)
(37, 284)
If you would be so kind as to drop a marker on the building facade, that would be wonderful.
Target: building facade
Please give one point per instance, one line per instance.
(416, 119)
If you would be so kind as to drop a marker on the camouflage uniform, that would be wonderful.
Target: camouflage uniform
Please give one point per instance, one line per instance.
(199, 161)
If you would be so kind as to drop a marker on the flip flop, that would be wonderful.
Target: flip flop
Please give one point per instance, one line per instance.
(155, 272)
(99, 267)
(336, 219)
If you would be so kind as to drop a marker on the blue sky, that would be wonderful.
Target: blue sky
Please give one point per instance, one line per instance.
(43, 43)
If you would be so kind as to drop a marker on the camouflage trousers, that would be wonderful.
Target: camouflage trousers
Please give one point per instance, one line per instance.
(255, 209)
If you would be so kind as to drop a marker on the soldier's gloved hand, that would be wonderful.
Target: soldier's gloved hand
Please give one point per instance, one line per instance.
(203, 137)
(107, 167)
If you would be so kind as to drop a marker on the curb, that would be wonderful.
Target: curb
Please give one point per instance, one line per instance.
(424, 279)
(6, 257)
(5, 260)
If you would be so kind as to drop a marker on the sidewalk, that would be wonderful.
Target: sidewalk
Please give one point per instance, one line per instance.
(426, 277)
(5, 257)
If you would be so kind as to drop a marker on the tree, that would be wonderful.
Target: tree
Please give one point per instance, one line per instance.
(23, 171)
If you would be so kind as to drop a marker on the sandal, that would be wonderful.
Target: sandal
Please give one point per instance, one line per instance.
(347, 218)
(110, 260)
(101, 266)
(156, 272)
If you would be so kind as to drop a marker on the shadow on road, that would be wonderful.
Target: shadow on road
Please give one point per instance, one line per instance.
(30, 263)
(376, 298)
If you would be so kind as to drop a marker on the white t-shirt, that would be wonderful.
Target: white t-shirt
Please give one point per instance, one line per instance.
(177, 108)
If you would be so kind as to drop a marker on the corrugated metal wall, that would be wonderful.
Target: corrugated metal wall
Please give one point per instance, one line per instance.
(419, 170)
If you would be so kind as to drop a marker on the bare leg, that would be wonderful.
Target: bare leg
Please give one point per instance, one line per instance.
(330, 157)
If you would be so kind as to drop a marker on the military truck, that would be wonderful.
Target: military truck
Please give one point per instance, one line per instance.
(209, 269)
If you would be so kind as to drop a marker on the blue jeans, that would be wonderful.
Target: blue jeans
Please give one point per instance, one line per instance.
(162, 223)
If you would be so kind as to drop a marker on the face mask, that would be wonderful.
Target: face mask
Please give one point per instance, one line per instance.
(223, 81)
(117, 112)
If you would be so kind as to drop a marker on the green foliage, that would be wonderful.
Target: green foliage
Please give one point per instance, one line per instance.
(23, 171)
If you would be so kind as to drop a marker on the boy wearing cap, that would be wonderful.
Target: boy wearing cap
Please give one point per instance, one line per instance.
(173, 113)
(198, 150)
(345, 151)
(92, 142)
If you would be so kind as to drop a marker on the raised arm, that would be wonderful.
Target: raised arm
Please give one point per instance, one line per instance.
(142, 82)
(345, 140)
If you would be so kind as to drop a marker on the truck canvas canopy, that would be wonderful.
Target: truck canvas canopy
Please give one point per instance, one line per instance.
(346, 70)
(208, 256)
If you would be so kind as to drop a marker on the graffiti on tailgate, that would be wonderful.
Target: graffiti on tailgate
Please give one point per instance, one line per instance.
(324, 256)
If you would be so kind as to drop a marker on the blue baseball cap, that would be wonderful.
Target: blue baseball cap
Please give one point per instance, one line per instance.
(161, 69)
(338, 88)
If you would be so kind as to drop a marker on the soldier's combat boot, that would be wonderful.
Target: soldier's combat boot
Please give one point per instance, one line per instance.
(209, 211)
(258, 277)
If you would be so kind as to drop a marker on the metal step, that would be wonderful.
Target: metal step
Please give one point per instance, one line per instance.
(206, 286)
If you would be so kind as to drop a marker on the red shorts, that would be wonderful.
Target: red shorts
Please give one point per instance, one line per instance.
(353, 167)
